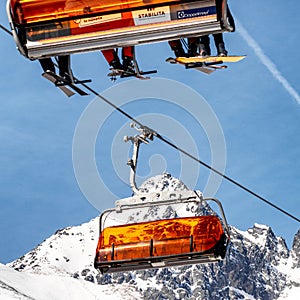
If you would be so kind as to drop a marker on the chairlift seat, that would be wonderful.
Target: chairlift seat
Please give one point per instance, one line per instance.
(171, 236)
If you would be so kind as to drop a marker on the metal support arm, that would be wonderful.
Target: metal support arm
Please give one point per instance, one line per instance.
(145, 135)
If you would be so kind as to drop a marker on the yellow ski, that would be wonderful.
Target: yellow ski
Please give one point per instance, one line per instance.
(209, 59)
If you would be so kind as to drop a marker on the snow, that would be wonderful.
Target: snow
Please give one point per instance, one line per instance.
(67, 251)
(290, 293)
(261, 226)
(286, 267)
(242, 293)
(259, 240)
(21, 285)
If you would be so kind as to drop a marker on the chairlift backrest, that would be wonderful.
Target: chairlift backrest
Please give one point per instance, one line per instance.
(46, 28)
(143, 233)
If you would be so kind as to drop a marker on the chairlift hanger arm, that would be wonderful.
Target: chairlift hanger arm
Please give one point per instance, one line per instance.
(145, 135)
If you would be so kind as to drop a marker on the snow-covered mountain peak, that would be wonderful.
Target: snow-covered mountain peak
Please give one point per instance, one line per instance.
(296, 250)
(67, 250)
(163, 182)
(261, 233)
(264, 241)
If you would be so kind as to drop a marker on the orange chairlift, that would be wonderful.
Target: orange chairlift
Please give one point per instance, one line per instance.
(160, 229)
(47, 28)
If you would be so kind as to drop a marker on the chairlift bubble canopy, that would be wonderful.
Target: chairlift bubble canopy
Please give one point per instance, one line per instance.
(161, 230)
(46, 28)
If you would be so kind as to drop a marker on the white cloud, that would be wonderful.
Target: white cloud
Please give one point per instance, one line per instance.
(267, 62)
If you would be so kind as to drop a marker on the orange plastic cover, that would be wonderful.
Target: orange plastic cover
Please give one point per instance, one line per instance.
(169, 237)
(29, 11)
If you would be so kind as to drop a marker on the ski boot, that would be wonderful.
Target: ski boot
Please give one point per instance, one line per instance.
(115, 64)
(128, 64)
(204, 50)
(221, 50)
(193, 49)
(179, 52)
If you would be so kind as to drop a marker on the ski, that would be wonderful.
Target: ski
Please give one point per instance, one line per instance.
(206, 64)
(206, 68)
(63, 88)
(62, 82)
(123, 74)
(210, 59)
(136, 72)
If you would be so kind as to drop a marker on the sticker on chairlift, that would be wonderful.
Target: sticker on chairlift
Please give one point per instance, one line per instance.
(98, 20)
(198, 12)
(151, 15)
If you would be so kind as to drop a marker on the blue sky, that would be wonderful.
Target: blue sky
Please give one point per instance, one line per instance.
(255, 101)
